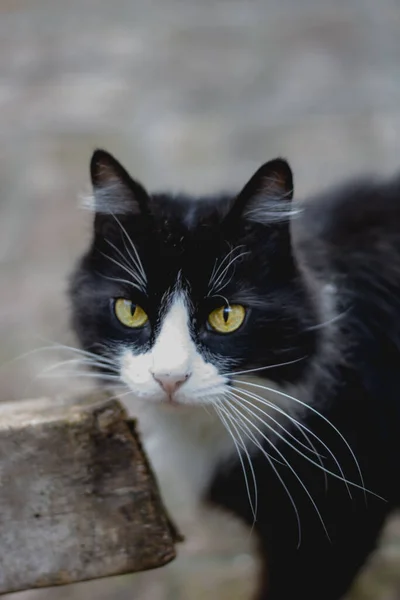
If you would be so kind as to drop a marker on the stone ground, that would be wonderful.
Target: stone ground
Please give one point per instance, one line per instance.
(195, 96)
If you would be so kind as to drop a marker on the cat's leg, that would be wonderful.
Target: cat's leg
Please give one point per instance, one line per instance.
(313, 544)
(319, 569)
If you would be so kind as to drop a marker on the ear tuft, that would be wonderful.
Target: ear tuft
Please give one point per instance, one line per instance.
(114, 191)
(267, 196)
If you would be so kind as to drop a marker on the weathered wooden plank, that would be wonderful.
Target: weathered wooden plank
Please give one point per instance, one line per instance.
(78, 499)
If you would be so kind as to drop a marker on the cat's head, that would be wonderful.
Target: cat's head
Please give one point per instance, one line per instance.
(179, 296)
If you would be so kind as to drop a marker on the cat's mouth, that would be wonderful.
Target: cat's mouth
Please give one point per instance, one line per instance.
(202, 397)
(172, 401)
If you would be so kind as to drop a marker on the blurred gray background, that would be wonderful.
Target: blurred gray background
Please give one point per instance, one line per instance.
(190, 95)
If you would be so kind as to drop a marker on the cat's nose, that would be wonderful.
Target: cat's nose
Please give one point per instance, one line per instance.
(170, 382)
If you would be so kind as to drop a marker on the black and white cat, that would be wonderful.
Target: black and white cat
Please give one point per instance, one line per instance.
(260, 339)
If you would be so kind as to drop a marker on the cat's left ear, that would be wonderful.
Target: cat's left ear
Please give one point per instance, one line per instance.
(268, 194)
(114, 191)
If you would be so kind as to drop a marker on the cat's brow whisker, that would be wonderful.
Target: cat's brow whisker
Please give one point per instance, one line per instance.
(134, 266)
(119, 252)
(220, 279)
(321, 416)
(215, 279)
(235, 409)
(226, 301)
(222, 413)
(138, 262)
(222, 273)
(123, 281)
(120, 265)
(217, 267)
(274, 366)
(213, 271)
(222, 287)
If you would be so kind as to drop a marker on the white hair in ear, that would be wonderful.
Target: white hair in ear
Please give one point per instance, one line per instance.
(267, 196)
(111, 199)
(86, 201)
(264, 210)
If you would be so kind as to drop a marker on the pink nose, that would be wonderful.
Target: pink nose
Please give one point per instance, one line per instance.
(170, 383)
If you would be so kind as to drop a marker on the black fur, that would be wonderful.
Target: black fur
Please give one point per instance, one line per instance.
(348, 239)
(181, 235)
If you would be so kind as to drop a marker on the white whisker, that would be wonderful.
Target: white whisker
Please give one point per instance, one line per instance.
(137, 262)
(302, 428)
(53, 347)
(216, 271)
(280, 478)
(219, 280)
(120, 395)
(271, 418)
(86, 374)
(319, 465)
(120, 265)
(124, 281)
(275, 366)
(81, 362)
(286, 462)
(316, 412)
(221, 412)
(119, 252)
(245, 428)
(227, 282)
(87, 353)
(138, 276)
(218, 274)
(329, 322)
(227, 303)
(213, 272)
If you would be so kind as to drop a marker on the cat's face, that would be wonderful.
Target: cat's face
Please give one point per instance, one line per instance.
(181, 296)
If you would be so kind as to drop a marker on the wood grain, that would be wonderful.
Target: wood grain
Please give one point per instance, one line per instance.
(78, 499)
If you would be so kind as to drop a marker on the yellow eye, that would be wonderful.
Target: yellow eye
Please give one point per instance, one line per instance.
(227, 319)
(130, 314)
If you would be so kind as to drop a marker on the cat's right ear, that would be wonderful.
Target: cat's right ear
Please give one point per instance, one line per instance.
(114, 191)
(267, 196)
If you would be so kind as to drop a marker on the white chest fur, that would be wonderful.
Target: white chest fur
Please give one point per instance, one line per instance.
(186, 440)
(185, 445)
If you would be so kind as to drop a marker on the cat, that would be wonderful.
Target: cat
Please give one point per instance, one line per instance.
(259, 337)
